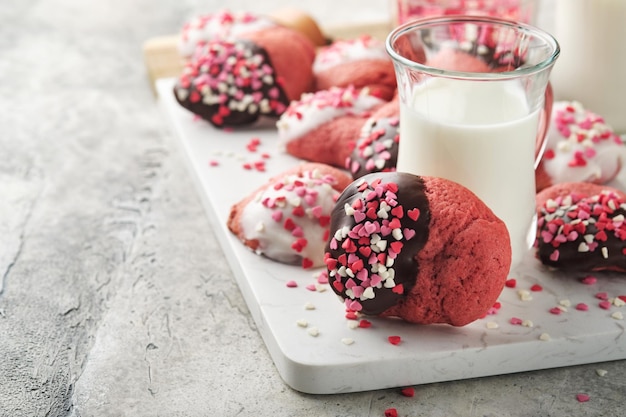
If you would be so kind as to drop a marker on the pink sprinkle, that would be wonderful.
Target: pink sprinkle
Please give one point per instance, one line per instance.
(277, 215)
(291, 284)
(582, 398)
(602, 296)
(554, 256)
(213, 163)
(515, 321)
(555, 310)
(582, 307)
(589, 280)
(323, 278)
(310, 287)
(605, 304)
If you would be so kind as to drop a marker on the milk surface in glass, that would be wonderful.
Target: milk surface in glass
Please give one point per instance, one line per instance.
(481, 135)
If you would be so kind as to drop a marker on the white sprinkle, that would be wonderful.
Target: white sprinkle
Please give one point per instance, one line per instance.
(492, 325)
(527, 323)
(368, 294)
(618, 315)
(353, 324)
(309, 306)
(348, 209)
(347, 341)
(397, 234)
(544, 336)
(302, 323)
(260, 226)
(601, 372)
(313, 331)
(618, 302)
(320, 288)
(524, 295)
(565, 303)
(605, 252)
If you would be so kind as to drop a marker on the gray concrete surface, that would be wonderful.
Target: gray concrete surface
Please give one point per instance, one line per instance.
(111, 302)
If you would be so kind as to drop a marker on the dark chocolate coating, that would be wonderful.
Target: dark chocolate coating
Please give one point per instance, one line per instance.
(211, 63)
(373, 136)
(410, 195)
(594, 230)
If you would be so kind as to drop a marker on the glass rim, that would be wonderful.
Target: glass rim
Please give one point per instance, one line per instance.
(439, 20)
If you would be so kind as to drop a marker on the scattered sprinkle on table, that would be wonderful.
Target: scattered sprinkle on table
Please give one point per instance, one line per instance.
(391, 412)
(582, 398)
(394, 340)
(313, 331)
(408, 392)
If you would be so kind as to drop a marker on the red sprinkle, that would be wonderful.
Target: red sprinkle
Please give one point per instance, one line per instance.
(365, 324)
(602, 296)
(536, 287)
(510, 283)
(605, 304)
(516, 321)
(213, 163)
(307, 263)
(408, 391)
(351, 315)
(394, 340)
(391, 412)
(555, 310)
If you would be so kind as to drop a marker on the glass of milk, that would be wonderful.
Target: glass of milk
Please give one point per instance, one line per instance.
(474, 100)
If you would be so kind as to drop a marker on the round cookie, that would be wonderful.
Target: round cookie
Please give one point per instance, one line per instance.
(288, 218)
(361, 62)
(423, 249)
(235, 82)
(580, 147)
(323, 126)
(581, 227)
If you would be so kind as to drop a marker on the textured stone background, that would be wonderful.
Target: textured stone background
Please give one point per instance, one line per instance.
(113, 302)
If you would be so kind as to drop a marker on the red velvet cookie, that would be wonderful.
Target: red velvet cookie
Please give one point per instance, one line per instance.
(361, 62)
(235, 82)
(323, 126)
(581, 227)
(424, 249)
(288, 218)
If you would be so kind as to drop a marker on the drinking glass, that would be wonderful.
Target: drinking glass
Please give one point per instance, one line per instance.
(474, 104)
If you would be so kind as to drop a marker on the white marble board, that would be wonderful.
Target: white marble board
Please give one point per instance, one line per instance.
(325, 364)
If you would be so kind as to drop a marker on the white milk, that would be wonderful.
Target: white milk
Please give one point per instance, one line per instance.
(592, 64)
(481, 136)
